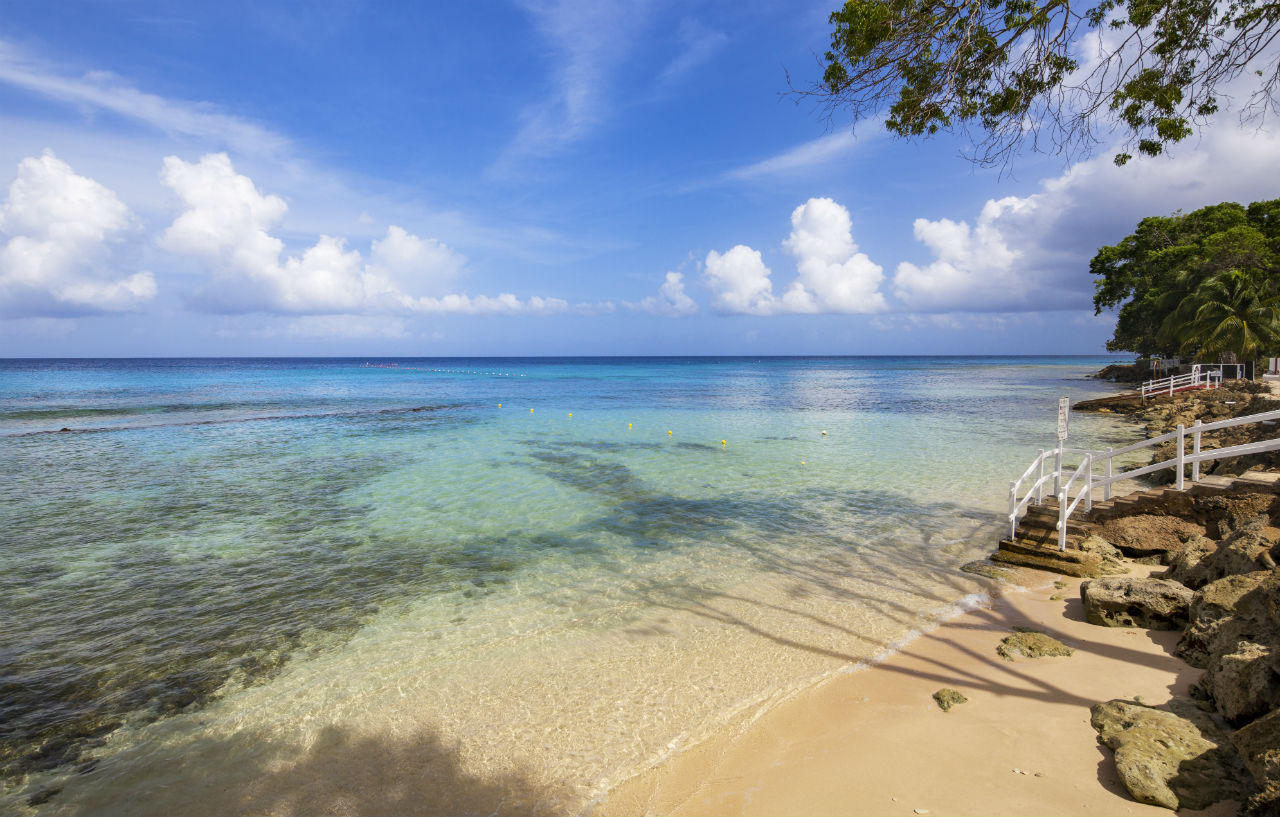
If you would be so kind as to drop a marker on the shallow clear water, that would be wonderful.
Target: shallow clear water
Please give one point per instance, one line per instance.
(468, 585)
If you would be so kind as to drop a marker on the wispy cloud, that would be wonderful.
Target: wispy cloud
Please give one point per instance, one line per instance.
(588, 39)
(104, 91)
(798, 160)
(699, 44)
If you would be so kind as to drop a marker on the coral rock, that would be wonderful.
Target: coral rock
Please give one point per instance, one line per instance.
(1156, 604)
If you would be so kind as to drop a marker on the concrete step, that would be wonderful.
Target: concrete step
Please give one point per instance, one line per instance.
(1254, 478)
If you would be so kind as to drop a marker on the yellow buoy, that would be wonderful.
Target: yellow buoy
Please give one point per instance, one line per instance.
(571, 414)
(802, 462)
(724, 442)
(628, 425)
(499, 405)
(531, 411)
(668, 433)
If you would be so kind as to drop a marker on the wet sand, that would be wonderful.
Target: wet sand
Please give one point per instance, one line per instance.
(873, 742)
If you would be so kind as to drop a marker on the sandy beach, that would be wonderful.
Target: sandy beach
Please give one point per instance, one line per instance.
(874, 742)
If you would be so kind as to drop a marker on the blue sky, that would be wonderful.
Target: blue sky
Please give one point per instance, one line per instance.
(595, 177)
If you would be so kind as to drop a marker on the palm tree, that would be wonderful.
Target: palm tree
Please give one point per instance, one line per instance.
(1230, 311)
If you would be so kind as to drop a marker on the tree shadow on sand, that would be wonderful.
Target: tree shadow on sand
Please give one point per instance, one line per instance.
(341, 772)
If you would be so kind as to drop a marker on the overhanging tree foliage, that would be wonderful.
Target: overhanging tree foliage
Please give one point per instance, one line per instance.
(1009, 71)
(1199, 283)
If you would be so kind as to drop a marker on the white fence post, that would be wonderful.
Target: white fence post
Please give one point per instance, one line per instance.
(1062, 521)
(1195, 449)
(1040, 480)
(1013, 505)
(1057, 470)
(1182, 453)
(1088, 482)
(1106, 491)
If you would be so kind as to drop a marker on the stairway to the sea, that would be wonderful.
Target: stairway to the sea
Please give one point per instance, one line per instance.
(1035, 540)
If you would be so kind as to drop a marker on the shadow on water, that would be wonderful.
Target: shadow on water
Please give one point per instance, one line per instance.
(341, 772)
(115, 613)
(149, 631)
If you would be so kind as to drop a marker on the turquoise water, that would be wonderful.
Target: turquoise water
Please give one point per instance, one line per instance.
(271, 576)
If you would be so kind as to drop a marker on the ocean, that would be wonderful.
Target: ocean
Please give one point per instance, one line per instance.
(471, 585)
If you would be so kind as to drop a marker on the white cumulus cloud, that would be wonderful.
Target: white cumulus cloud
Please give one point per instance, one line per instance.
(227, 222)
(1031, 253)
(426, 261)
(740, 282)
(60, 229)
(832, 276)
(671, 301)
(974, 267)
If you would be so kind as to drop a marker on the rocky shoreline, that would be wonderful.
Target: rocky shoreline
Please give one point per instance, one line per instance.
(1164, 413)
(1221, 588)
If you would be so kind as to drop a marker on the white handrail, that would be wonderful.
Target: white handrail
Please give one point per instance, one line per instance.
(1202, 375)
(1084, 471)
(1196, 379)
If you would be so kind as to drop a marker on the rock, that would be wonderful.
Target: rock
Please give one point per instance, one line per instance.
(1261, 605)
(1123, 373)
(948, 697)
(1031, 644)
(1242, 552)
(988, 570)
(1069, 562)
(1146, 534)
(1112, 563)
(1242, 675)
(1176, 759)
(1266, 803)
(1225, 514)
(1182, 562)
(1210, 606)
(1243, 683)
(1150, 603)
(1259, 746)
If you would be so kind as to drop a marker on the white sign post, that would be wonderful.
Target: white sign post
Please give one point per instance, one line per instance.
(1064, 417)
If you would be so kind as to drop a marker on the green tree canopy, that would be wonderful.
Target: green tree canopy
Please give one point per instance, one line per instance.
(1178, 279)
(1232, 310)
(1009, 71)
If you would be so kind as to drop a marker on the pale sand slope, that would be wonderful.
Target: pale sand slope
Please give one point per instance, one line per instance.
(874, 743)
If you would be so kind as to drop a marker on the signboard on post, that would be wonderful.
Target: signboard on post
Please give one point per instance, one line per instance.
(1064, 417)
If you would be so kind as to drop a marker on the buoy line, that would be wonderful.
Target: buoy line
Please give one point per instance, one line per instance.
(400, 368)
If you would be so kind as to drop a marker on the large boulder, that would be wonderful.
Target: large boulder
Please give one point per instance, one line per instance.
(1150, 603)
(1259, 746)
(1243, 682)
(1244, 551)
(1147, 535)
(1225, 514)
(1176, 758)
(1183, 561)
(1261, 605)
(1210, 607)
(1242, 674)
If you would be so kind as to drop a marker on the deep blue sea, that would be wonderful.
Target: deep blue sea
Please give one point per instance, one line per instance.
(228, 586)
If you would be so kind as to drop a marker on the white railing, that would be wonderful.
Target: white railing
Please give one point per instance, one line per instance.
(1198, 378)
(1086, 482)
